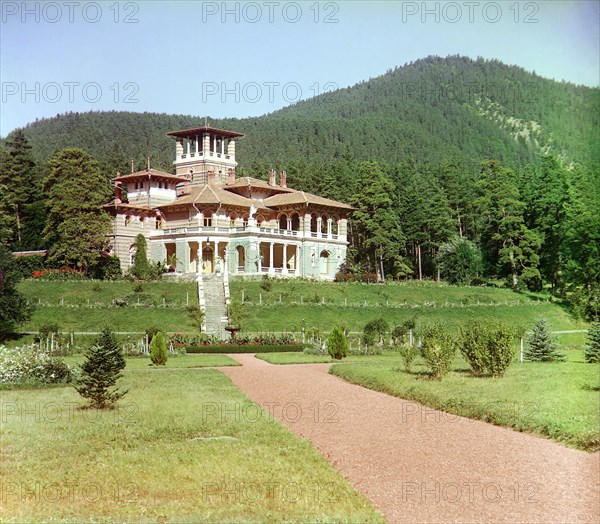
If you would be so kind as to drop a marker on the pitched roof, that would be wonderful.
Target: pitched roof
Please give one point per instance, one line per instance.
(126, 205)
(301, 197)
(213, 194)
(247, 181)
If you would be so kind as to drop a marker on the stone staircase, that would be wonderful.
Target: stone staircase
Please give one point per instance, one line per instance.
(215, 307)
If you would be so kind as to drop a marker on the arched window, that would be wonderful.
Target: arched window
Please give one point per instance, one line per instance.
(245, 220)
(334, 224)
(241, 258)
(313, 223)
(259, 220)
(127, 220)
(295, 222)
(208, 219)
(283, 221)
(131, 254)
(232, 219)
(324, 219)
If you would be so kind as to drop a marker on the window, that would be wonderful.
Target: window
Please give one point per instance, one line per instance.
(208, 221)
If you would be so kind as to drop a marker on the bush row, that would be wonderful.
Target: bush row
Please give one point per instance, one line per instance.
(232, 348)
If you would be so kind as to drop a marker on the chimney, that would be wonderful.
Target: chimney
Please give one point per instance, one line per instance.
(210, 177)
(283, 179)
(118, 191)
(272, 175)
(231, 176)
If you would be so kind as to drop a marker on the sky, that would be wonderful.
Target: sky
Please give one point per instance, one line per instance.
(240, 59)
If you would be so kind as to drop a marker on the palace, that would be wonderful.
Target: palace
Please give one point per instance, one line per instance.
(205, 219)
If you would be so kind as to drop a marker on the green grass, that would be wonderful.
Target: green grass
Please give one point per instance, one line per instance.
(555, 400)
(293, 358)
(160, 458)
(428, 301)
(88, 306)
(178, 362)
(303, 358)
(292, 291)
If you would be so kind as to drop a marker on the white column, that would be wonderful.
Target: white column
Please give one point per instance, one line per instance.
(271, 267)
(319, 225)
(215, 253)
(284, 270)
(223, 147)
(197, 144)
(329, 223)
(259, 259)
(215, 144)
(188, 147)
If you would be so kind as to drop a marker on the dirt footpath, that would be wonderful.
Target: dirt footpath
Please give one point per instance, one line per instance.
(420, 465)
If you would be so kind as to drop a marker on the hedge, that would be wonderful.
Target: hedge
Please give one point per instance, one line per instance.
(233, 348)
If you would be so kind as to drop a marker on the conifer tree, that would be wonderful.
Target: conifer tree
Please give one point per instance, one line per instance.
(337, 344)
(17, 174)
(592, 351)
(542, 346)
(14, 308)
(103, 365)
(375, 221)
(77, 226)
(158, 349)
(140, 268)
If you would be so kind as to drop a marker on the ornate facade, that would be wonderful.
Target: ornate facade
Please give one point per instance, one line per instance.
(205, 219)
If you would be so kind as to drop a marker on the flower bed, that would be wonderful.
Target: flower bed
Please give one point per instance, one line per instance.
(268, 339)
(31, 365)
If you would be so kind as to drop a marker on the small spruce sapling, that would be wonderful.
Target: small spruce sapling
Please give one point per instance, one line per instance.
(592, 350)
(102, 368)
(542, 346)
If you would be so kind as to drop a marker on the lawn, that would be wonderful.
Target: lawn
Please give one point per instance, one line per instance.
(289, 306)
(89, 306)
(162, 304)
(184, 446)
(556, 400)
(303, 358)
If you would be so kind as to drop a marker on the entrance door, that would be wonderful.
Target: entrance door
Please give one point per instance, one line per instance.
(324, 262)
(207, 260)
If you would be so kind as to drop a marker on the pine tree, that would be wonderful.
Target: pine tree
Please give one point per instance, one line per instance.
(102, 368)
(507, 243)
(17, 174)
(337, 344)
(158, 349)
(375, 222)
(592, 351)
(14, 308)
(77, 226)
(8, 223)
(542, 346)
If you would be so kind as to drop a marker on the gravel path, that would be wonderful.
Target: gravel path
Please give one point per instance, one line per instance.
(420, 465)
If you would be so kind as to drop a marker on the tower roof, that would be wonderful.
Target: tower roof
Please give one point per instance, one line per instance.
(183, 133)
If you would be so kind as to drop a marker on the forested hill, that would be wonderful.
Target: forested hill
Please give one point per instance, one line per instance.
(425, 112)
